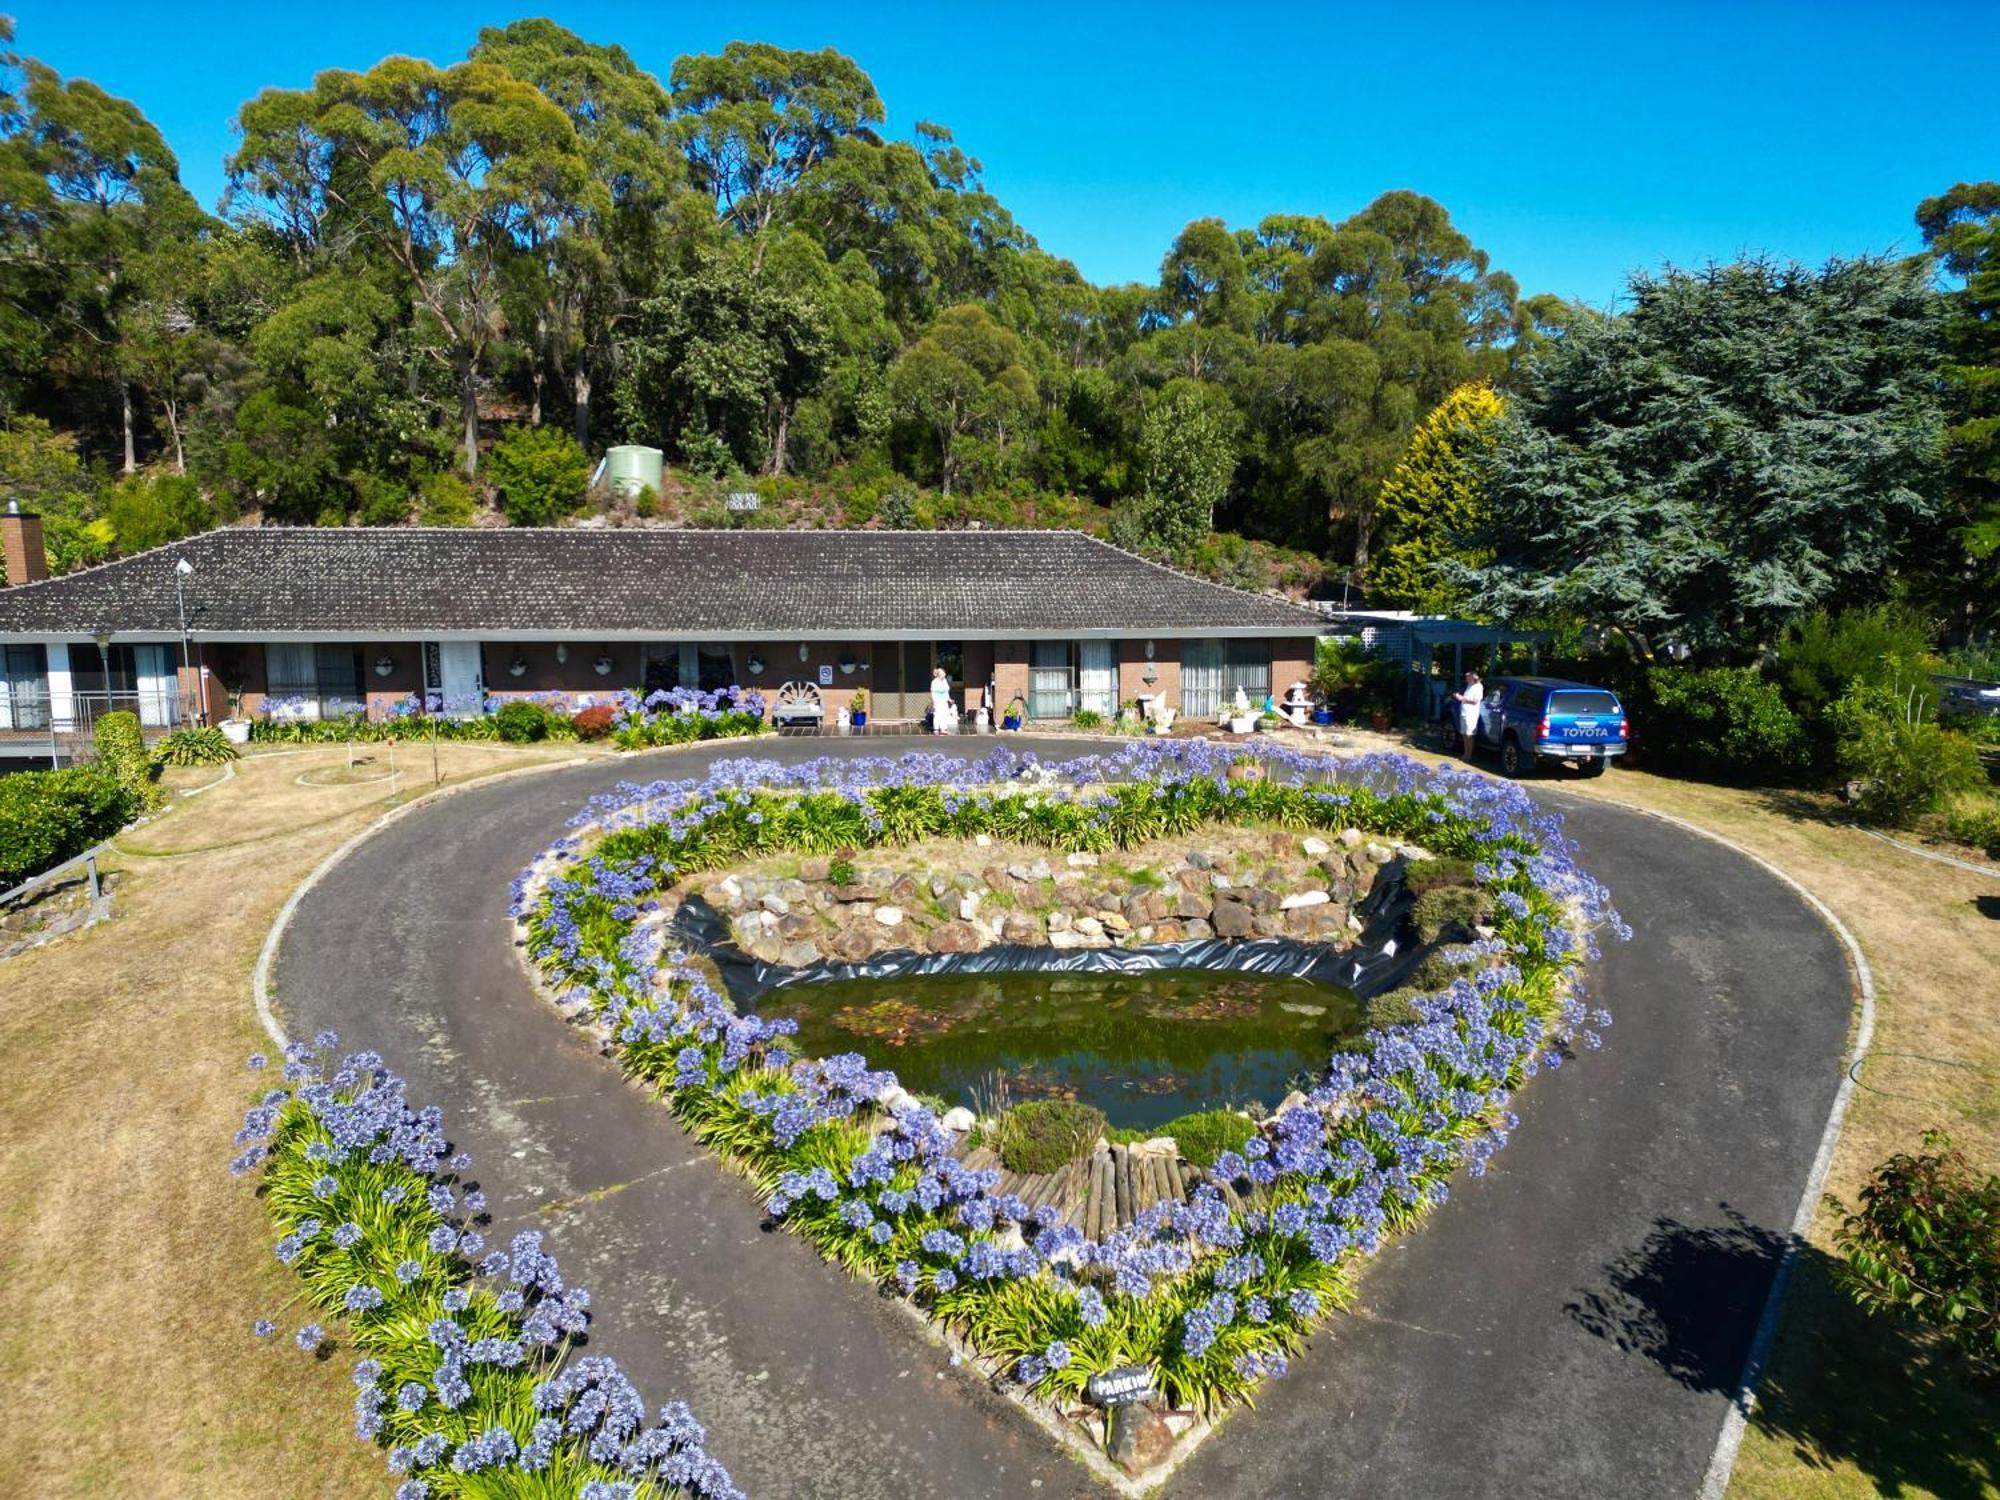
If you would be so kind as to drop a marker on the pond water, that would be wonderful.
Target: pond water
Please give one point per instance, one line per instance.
(1142, 1047)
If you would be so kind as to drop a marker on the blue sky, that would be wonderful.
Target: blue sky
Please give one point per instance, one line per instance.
(1572, 143)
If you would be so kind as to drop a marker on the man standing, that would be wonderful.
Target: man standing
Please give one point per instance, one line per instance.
(1468, 700)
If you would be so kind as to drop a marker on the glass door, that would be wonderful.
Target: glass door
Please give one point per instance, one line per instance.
(1050, 674)
(1097, 676)
(1201, 679)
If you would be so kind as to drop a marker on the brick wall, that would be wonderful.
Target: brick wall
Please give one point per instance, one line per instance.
(1010, 673)
(1166, 670)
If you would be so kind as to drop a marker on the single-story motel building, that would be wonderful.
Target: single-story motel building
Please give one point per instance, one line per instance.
(309, 621)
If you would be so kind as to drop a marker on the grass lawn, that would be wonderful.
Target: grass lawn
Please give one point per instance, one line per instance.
(1854, 1405)
(132, 1264)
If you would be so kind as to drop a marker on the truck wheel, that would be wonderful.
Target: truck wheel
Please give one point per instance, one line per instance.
(1511, 762)
(1592, 768)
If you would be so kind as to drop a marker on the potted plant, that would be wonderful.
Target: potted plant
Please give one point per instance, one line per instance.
(1017, 713)
(1246, 767)
(235, 728)
(857, 707)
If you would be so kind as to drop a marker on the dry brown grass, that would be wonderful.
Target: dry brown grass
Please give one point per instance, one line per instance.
(132, 1264)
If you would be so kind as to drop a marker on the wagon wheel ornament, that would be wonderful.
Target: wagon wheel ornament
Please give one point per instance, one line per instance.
(797, 702)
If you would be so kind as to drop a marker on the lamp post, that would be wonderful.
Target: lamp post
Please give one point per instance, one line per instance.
(183, 569)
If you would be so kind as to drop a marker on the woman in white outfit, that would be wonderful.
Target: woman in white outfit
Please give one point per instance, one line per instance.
(941, 713)
(1468, 700)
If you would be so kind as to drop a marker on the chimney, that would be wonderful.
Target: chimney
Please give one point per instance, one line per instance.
(21, 541)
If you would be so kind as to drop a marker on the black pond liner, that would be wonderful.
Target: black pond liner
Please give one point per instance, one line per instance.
(1362, 966)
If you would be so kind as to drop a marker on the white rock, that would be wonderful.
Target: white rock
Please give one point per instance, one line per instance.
(968, 906)
(1380, 853)
(776, 903)
(894, 1097)
(1090, 927)
(1316, 847)
(983, 840)
(959, 1119)
(1219, 880)
(1350, 837)
(1303, 898)
(1081, 860)
(1059, 920)
(732, 887)
(1160, 1145)
(889, 916)
(1067, 939)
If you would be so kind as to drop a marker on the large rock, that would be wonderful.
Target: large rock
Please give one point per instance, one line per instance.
(797, 955)
(889, 916)
(1267, 924)
(1298, 899)
(856, 943)
(1191, 905)
(995, 878)
(1191, 879)
(954, 937)
(1231, 919)
(1200, 859)
(1364, 878)
(771, 901)
(816, 867)
(1150, 906)
(1060, 921)
(1090, 927)
(968, 905)
(1316, 847)
(1080, 861)
(906, 891)
(1352, 837)
(1262, 899)
(1021, 927)
(1110, 921)
(957, 1118)
(1140, 1439)
(1198, 928)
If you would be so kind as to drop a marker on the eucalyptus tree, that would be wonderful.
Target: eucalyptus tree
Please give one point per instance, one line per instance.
(582, 260)
(91, 188)
(964, 379)
(755, 119)
(445, 172)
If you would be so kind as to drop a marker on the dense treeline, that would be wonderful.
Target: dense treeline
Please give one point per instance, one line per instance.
(428, 289)
(735, 264)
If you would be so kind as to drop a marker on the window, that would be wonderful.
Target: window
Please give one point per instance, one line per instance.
(1051, 667)
(1201, 679)
(312, 681)
(1591, 702)
(24, 688)
(1249, 668)
(659, 667)
(713, 666)
(1097, 676)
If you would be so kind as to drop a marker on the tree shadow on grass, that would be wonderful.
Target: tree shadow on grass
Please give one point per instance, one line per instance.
(1987, 906)
(1842, 1386)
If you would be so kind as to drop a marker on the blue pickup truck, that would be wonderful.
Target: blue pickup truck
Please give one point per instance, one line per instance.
(1533, 719)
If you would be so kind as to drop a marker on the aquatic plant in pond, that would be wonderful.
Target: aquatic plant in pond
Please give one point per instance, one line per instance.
(466, 1376)
(1212, 1298)
(1142, 1047)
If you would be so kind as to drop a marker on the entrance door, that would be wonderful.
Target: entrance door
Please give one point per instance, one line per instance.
(902, 677)
(156, 685)
(464, 688)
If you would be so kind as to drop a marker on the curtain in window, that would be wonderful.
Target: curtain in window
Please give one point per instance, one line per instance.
(1049, 680)
(291, 680)
(1250, 670)
(156, 685)
(1201, 679)
(24, 688)
(1097, 676)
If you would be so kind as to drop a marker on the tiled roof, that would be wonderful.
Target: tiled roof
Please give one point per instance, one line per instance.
(408, 581)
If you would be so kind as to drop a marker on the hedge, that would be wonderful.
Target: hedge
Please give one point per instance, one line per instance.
(47, 817)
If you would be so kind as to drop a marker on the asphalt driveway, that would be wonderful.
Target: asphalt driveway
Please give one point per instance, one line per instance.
(1571, 1324)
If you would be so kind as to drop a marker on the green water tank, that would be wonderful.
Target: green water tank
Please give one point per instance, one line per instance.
(631, 469)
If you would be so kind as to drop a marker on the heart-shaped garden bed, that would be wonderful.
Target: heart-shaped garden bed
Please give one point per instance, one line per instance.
(1120, 1278)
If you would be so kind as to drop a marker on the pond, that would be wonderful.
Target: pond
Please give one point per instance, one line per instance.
(1143, 1047)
